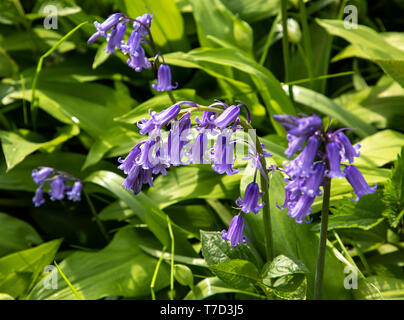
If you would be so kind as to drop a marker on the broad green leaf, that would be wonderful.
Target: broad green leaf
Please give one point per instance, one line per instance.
(253, 10)
(221, 24)
(285, 278)
(192, 182)
(19, 270)
(16, 148)
(215, 250)
(321, 103)
(297, 241)
(117, 210)
(380, 148)
(179, 258)
(145, 208)
(16, 235)
(372, 44)
(393, 193)
(364, 214)
(240, 274)
(211, 286)
(5, 296)
(167, 25)
(120, 269)
(183, 275)
(389, 288)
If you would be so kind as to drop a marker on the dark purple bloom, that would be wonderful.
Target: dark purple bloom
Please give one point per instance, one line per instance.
(348, 152)
(198, 149)
(227, 116)
(358, 182)
(292, 193)
(133, 44)
(235, 232)
(299, 126)
(145, 159)
(164, 79)
(251, 197)
(38, 198)
(301, 208)
(129, 161)
(142, 21)
(114, 38)
(102, 28)
(295, 144)
(158, 120)
(207, 121)
(138, 60)
(223, 155)
(75, 193)
(57, 191)
(302, 165)
(40, 175)
(334, 160)
(312, 184)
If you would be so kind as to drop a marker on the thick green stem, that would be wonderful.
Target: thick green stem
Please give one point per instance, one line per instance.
(318, 284)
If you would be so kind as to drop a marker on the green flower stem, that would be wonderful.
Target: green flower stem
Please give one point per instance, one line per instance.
(97, 219)
(264, 182)
(318, 283)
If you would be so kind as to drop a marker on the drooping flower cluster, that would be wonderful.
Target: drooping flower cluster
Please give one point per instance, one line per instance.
(321, 159)
(156, 153)
(114, 29)
(59, 183)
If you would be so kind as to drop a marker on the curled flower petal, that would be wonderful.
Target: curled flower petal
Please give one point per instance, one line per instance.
(251, 197)
(358, 182)
(235, 232)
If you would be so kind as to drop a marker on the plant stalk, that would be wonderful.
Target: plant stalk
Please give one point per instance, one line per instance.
(318, 284)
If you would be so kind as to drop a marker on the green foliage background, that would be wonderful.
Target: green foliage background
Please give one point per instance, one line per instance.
(81, 116)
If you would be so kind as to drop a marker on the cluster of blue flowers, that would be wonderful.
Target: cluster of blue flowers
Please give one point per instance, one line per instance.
(58, 183)
(155, 154)
(114, 30)
(321, 159)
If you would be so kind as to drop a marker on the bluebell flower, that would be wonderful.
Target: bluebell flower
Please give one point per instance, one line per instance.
(235, 232)
(301, 208)
(138, 60)
(157, 120)
(164, 79)
(177, 139)
(207, 121)
(227, 116)
(334, 160)
(129, 161)
(38, 198)
(57, 191)
(311, 185)
(302, 165)
(114, 38)
(40, 175)
(132, 44)
(295, 144)
(300, 126)
(102, 28)
(251, 197)
(223, 155)
(75, 193)
(358, 182)
(145, 20)
(199, 149)
(348, 152)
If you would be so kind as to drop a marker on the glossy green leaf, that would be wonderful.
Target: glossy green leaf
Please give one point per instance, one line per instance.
(19, 270)
(388, 289)
(183, 275)
(372, 45)
(121, 269)
(240, 274)
(16, 235)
